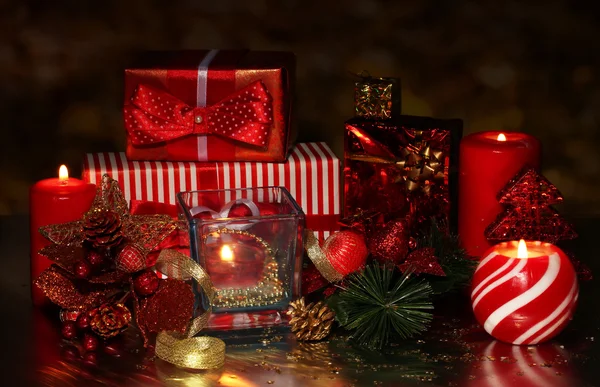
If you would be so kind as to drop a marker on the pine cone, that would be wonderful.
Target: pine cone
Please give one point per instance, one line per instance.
(102, 228)
(310, 322)
(109, 320)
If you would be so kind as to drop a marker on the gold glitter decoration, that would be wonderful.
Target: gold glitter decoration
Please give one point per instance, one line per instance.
(147, 231)
(185, 350)
(269, 290)
(317, 256)
(375, 98)
(59, 288)
(310, 322)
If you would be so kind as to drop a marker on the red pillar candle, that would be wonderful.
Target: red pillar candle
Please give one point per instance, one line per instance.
(51, 201)
(524, 292)
(488, 160)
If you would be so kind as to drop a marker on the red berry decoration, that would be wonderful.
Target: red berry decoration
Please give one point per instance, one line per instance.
(83, 321)
(146, 283)
(69, 330)
(82, 269)
(90, 342)
(96, 258)
(346, 251)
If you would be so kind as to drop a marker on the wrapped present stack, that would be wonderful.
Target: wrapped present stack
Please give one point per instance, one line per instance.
(203, 120)
(206, 218)
(398, 167)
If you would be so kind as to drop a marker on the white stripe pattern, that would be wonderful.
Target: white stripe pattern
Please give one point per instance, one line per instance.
(311, 175)
(525, 298)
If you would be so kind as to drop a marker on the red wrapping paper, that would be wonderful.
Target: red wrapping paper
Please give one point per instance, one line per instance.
(311, 174)
(217, 105)
(401, 167)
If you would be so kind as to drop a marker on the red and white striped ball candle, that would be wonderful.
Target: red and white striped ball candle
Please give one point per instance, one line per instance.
(524, 292)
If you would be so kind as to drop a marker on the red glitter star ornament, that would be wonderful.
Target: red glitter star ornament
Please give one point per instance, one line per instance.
(423, 261)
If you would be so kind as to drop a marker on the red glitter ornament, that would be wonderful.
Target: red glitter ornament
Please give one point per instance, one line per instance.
(391, 243)
(146, 283)
(423, 261)
(528, 198)
(90, 342)
(83, 321)
(69, 330)
(131, 259)
(346, 251)
(169, 309)
(82, 269)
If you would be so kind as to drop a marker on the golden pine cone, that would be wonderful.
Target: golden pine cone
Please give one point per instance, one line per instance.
(109, 320)
(102, 228)
(310, 322)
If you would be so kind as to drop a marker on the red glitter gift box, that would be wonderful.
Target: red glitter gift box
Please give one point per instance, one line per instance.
(406, 165)
(217, 105)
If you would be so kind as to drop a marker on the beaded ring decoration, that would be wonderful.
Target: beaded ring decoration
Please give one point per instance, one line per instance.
(269, 290)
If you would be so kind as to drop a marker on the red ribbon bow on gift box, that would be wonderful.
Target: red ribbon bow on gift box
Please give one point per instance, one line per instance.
(157, 116)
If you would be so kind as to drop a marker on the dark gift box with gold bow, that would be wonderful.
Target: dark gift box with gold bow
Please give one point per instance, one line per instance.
(215, 105)
(403, 167)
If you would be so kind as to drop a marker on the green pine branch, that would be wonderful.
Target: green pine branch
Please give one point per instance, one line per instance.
(378, 305)
(459, 268)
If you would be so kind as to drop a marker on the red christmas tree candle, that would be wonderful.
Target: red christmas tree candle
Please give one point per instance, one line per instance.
(51, 201)
(488, 160)
(524, 292)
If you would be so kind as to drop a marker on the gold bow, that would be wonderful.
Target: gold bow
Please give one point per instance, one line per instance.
(421, 163)
(418, 162)
(186, 350)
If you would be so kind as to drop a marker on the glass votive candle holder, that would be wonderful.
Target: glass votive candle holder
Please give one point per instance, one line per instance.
(250, 243)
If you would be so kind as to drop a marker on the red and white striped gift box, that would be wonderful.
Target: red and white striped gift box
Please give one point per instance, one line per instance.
(311, 174)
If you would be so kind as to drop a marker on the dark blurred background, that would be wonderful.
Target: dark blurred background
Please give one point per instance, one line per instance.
(506, 65)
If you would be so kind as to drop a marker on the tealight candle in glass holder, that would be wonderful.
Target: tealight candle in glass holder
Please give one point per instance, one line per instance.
(250, 243)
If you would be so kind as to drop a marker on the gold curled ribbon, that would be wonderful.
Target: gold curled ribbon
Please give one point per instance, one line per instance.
(318, 257)
(185, 350)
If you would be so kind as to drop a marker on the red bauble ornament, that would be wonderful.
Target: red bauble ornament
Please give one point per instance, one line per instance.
(69, 330)
(82, 269)
(391, 243)
(83, 321)
(96, 258)
(346, 251)
(146, 283)
(524, 300)
(130, 259)
(90, 342)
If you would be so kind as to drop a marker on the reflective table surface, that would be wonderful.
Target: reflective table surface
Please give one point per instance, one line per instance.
(455, 351)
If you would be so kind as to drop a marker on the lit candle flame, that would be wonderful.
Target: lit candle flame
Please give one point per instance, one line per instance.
(226, 253)
(501, 137)
(522, 250)
(63, 173)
